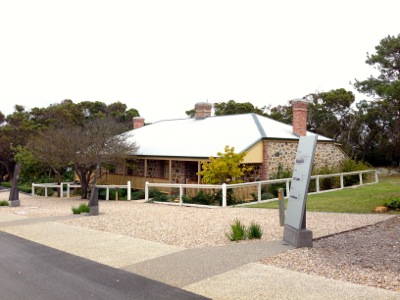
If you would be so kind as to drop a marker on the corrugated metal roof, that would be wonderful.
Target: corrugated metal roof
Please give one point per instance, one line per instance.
(206, 137)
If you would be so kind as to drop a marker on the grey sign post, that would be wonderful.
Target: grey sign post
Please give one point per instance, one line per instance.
(295, 231)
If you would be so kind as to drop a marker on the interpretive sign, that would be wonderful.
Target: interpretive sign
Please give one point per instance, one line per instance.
(300, 181)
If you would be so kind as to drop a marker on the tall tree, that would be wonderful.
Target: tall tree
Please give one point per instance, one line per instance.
(84, 148)
(329, 112)
(385, 89)
(235, 108)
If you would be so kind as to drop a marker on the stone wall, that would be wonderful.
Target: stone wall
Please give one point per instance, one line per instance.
(284, 153)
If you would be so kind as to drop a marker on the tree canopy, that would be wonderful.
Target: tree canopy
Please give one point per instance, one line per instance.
(55, 130)
(227, 167)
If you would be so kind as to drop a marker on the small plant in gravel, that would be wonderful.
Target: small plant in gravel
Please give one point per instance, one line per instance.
(254, 231)
(83, 208)
(238, 231)
(4, 203)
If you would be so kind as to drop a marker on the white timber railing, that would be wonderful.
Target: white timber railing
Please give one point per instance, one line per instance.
(70, 185)
(258, 185)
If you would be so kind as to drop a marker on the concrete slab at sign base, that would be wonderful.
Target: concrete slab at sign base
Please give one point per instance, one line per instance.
(15, 203)
(94, 211)
(298, 237)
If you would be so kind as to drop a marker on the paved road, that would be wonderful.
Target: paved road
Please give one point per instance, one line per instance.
(32, 271)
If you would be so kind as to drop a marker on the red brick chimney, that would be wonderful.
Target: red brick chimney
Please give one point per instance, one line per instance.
(203, 110)
(138, 122)
(299, 107)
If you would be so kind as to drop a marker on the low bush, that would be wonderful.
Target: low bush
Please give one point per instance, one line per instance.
(112, 194)
(83, 208)
(350, 165)
(254, 231)
(393, 203)
(42, 191)
(238, 231)
(280, 174)
(137, 195)
(4, 203)
(156, 195)
(21, 188)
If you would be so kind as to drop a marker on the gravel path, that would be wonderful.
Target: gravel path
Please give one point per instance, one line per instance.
(366, 256)
(369, 256)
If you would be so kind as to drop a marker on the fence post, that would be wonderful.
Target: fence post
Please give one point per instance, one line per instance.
(341, 181)
(259, 195)
(33, 189)
(224, 195)
(376, 176)
(107, 193)
(45, 191)
(317, 183)
(128, 186)
(361, 180)
(287, 187)
(146, 191)
(180, 194)
(61, 189)
(68, 189)
(281, 201)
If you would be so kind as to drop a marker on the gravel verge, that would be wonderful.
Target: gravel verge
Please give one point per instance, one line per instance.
(368, 256)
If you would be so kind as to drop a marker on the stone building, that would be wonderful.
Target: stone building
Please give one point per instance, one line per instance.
(173, 150)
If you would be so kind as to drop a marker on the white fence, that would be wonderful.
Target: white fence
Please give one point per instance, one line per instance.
(258, 185)
(71, 185)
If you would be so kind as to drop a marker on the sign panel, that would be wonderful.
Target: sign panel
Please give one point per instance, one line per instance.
(300, 180)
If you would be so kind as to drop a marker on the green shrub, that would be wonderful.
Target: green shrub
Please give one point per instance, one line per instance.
(156, 195)
(238, 231)
(330, 182)
(393, 203)
(21, 188)
(203, 198)
(280, 174)
(254, 231)
(122, 194)
(137, 195)
(42, 191)
(4, 203)
(350, 165)
(83, 208)
(187, 199)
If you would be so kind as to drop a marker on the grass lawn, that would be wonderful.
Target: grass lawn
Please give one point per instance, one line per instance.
(350, 200)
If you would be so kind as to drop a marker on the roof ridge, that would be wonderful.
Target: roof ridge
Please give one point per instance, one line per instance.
(259, 126)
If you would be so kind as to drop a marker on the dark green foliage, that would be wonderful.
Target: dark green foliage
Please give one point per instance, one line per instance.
(138, 195)
(235, 108)
(122, 194)
(282, 173)
(238, 232)
(393, 203)
(42, 191)
(326, 183)
(157, 196)
(200, 198)
(212, 198)
(83, 208)
(254, 231)
(4, 203)
(21, 188)
(350, 165)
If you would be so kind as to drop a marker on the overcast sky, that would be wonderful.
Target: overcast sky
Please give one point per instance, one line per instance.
(163, 56)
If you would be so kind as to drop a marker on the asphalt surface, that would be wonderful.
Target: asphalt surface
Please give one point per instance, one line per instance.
(29, 270)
